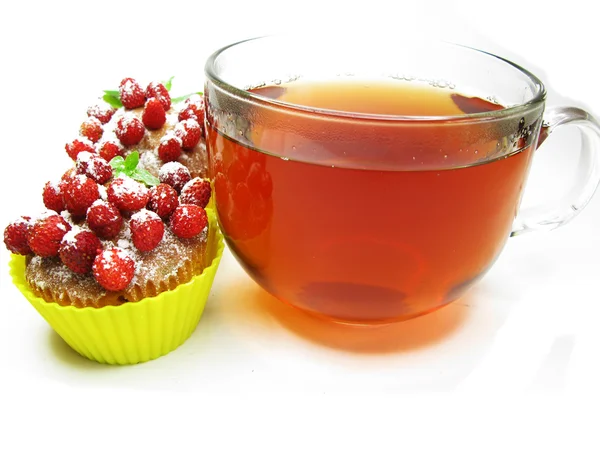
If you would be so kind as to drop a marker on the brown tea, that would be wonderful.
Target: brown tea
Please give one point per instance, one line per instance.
(393, 219)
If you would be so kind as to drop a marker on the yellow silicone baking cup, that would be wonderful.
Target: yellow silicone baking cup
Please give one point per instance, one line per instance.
(133, 332)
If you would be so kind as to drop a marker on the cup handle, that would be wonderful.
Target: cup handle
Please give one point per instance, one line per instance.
(560, 212)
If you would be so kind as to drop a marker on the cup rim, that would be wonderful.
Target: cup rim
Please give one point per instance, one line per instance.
(521, 108)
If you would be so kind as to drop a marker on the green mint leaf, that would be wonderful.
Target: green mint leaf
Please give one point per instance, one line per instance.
(113, 93)
(145, 177)
(118, 164)
(167, 84)
(183, 97)
(112, 100)
(131, 162)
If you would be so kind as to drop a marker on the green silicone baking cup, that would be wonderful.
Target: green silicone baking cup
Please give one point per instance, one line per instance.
(133, 332)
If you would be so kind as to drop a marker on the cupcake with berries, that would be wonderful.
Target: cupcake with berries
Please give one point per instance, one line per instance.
(147, 120)
(122, 261)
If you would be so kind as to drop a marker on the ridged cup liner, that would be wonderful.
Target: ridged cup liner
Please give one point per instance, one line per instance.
(133, 332)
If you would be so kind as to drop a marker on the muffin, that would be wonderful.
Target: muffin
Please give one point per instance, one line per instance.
(121, 262)
(148, 121)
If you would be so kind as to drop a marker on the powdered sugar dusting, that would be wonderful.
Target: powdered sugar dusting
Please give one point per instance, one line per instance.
(128, 87)
(128, 186)
(170, 135)
(84, 140)
(84, 157)
(173, 169)
(22, 221)
(145, 214)
(150, 161)
(44, 214)
(70, 237)
(124, 243)
(102, 192)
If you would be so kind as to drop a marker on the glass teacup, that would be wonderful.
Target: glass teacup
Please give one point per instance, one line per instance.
(374, 182)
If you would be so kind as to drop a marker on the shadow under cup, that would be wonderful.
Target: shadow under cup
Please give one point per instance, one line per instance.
(361, 217)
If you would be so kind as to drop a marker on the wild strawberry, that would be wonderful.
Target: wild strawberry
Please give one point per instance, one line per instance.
(81, 144)
(109, 149)
(69, 173)
(147, 230)
(189, 132)
(130, 130)
(46, 234)
(104, 219)
(196, 192)
(169, 148)
(131, 93)
(78, 250)
(162, 200)
(15, 236)
(154, 116)
(103, 112)
(188, 113)
(94, 167)
(174, 174)
(196, 103)
(127, 194)
(52, 197)
(79, 192)
(188, 221)
(113, 269)
(91, 129)
(159, 92)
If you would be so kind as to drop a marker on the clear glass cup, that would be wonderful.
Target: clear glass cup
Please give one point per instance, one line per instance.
(374, 218)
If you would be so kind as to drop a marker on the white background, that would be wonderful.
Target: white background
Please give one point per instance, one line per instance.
(514, 363)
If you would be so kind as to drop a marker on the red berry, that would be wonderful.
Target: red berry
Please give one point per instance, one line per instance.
(81, 144)
(52, 196)
(65, 178)
(91, 129)
(79, 192)
(196, 192)
(15, 236)
(130, 130)
(113, 269)
(102, 112)
(131, 93)
(159, 92)
(162, 200)
(127, 194)
(154, 116)
(188, 221)
(78, 250)
(109, 149)
(187, 113)
(189, 132)
(104, 219)
(196, 103)
(94, 167)
(174, 174)
(46, 235)
(147, 230)
(169, 148)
